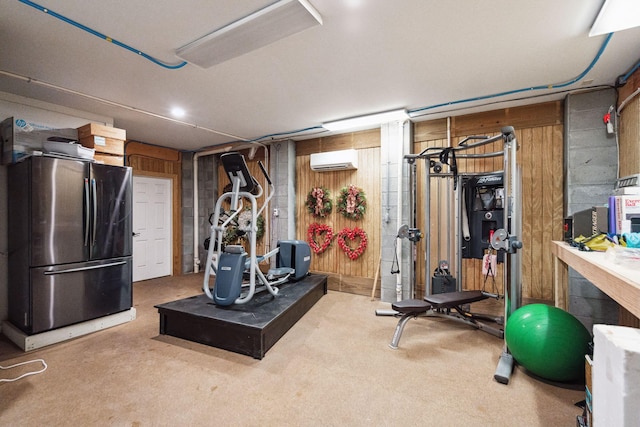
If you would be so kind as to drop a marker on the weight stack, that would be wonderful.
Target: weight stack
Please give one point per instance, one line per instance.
(443, 283)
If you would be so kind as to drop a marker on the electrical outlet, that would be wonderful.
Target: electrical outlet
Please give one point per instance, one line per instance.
(276, 212)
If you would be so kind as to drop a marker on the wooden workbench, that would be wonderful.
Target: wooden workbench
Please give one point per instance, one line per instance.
(620, 282)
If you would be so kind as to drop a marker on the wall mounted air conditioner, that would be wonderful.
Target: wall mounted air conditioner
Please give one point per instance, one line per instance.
(334, 160)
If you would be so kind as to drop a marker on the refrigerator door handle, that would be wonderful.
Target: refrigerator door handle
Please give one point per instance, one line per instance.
(94, 197)
(91, 267)
(86, 211)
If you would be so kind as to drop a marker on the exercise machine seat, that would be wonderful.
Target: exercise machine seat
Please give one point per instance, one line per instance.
(411, 306)
(454, 299)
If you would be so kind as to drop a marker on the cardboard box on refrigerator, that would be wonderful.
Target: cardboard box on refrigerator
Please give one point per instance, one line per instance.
(109, 159)
(104, 139)
(104, 145)
(92, 129)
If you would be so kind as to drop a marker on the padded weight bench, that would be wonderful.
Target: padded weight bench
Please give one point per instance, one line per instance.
(441, 305)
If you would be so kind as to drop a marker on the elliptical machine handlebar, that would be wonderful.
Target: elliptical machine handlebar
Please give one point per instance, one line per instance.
(264, 172)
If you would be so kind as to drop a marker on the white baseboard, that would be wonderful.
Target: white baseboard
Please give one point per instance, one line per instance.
(33, 342)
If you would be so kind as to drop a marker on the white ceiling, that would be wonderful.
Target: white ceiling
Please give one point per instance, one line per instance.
(368, 56)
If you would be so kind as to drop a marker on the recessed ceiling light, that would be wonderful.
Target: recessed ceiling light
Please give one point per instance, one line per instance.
(178, 112)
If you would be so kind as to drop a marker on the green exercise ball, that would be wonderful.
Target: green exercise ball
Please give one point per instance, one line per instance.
(548, 341)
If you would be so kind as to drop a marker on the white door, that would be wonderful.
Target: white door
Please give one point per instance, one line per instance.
(152, 221)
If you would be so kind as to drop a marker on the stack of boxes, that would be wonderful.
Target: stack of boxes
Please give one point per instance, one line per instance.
(620, 216)
(625, 206)
(107, 142)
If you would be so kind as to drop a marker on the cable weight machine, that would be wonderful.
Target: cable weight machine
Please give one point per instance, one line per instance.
(500, 230)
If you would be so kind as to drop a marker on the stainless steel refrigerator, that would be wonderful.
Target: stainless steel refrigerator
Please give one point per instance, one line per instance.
(70, 228)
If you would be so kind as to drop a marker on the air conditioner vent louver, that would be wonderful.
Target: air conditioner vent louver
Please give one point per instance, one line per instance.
(334, 160)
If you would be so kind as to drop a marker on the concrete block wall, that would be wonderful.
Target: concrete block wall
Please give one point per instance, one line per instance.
(186, 211)
(207, 196)
(282, 157)
(207, 184)
(282, 207)
(591, 159)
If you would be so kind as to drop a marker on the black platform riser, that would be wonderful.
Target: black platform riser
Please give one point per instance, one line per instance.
(251, 328)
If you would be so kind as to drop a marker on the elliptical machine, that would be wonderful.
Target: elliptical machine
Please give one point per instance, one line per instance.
(231, 264)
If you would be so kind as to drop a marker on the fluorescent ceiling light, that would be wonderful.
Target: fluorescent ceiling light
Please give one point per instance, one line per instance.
(616, 15)
(268, 25)
(364, 121)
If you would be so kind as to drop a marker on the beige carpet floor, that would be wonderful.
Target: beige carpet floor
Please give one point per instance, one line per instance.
(332, 368)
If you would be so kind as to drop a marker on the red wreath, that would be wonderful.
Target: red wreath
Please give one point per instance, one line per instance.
(351, 234)
(316, 230)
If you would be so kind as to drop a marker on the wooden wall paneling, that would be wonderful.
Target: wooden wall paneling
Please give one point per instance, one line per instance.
(152, 151)
(344, 274)
(374, 209)
(535, 115)
(337, 142)
(359, 140)
(484, 123)
(526, 151)
(558, 193)
(542, 195)
(305, 181)
(153, 161)
(430, 130)
(633, 83)
(490, 122)
(534, 136)
(549, 221)
(629, 129)
(541, 159)
(542, 207)
(307, 147)
(629, 156)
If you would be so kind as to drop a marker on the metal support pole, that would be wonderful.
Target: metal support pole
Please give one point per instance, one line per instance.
(427, 230)
(413, 188)
(513, 268)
